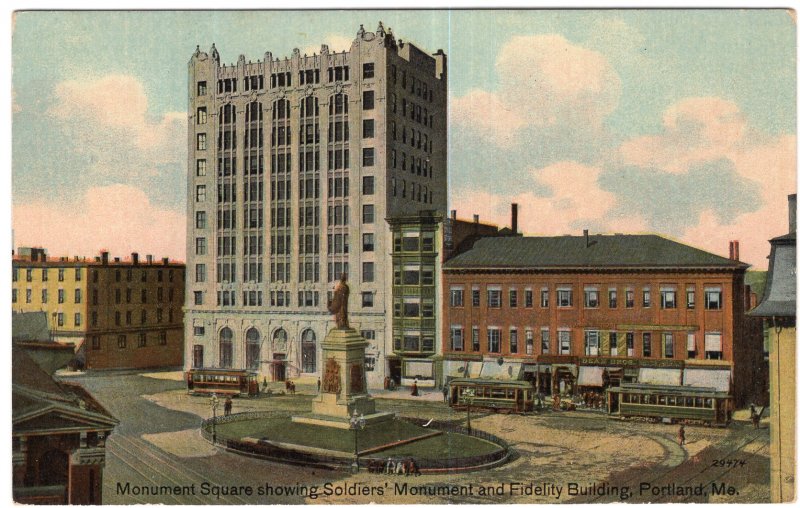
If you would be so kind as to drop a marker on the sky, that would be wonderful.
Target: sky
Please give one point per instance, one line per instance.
(675, 122)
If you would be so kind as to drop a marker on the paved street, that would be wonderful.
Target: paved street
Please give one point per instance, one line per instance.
(157, 445)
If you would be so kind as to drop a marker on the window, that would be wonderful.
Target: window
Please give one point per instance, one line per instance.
(142, 340)
(29, 274)
(197, 357)
(564, 342)
(368, 129)
(476, 297)
(647, 346)
(200, 220)
(646, 298)
(198, 298)
(512, 341)
(545, 341)
(690, 297)
(476, 339)
(564, 297)
(629, 343)
(592, 342)
(368, 157)
(201, 167)
(612, 343)
(369, 99)
(60, 319)
(77, 274)
(713, 298)
(545, 298)
(629, 298)
(529, 342)
(200, 193)
(495, 298)
(368, 271)
(367, 299)
(668, 342)
(200, 272)
(28, 295)
(668, 298)
(60, 275)
(456, 297)
(713, 346)
(44, 295)
(512, 297)
(199, 331)
(201, 141)
(368, 214)
(162, 338)
(202, 116)
(122, 342)
(95, 342)
(529, 298)
(612, 298)
(368, 334)
(691, 348)
(77, 295)
(200, 246)
(456, 338)
(591, 298)
(60, 296)
(368, 70)
(368, 242)
(368, 185)
(44, 275)
(493, 339)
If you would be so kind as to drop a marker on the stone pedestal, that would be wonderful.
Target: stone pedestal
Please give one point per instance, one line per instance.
(344, 385)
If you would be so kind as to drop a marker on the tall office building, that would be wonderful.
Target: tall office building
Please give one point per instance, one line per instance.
(295, 165)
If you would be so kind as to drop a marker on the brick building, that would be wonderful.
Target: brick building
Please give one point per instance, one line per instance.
(116, 313)
(577, 313)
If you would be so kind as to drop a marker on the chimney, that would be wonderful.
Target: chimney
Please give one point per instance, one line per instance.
(586, 237)
(116, 260)
(733, 250)
(44, 257)
(514, 218)
(476, 218)
(135, 258)
(792, 213)
(149, 259)
(165, 261)
(453, 215)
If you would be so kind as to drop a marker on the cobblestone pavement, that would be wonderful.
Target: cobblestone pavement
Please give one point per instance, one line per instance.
(158, 444)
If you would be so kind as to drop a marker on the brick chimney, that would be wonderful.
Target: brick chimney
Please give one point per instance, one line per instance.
(792, 213)
(135, 258)
(104, 257)
(733, 250)
(453, 215)
(586, 237)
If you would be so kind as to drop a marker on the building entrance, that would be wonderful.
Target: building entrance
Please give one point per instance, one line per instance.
(279, 367)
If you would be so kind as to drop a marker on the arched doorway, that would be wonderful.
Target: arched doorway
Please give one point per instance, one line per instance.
(279, 343)
(253, 352)
(309, 351)
(226, 348)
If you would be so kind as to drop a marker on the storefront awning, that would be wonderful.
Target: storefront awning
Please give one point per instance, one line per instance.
(671, 377)
(590, 376)
(457, 368)
(718, 379)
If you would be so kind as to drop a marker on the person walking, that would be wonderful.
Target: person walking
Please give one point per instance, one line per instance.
(228, 405)
(414, 390)
(681, 435)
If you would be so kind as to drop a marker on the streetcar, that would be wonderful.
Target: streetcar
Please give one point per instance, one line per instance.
(670, 404)
(221, 382)
(491, 395)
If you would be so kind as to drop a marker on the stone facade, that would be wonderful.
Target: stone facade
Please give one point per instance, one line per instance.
(294, 165)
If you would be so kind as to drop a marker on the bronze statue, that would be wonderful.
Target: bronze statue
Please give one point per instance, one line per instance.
(338, 306)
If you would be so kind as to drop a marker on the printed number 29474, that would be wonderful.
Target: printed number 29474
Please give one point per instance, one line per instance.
(728, 463)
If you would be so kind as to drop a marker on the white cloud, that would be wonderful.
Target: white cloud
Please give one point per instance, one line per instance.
(119, 218)
(575, 201)
(544, 81)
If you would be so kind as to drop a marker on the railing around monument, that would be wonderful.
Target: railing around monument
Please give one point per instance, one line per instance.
(319, 459)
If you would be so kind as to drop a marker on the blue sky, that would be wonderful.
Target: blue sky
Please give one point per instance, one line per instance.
(671, 121)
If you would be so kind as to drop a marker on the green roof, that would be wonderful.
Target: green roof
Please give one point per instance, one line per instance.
(603, 251)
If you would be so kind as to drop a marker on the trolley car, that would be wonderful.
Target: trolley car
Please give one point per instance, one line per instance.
(670, 403)
(491, 395)
(221, 382)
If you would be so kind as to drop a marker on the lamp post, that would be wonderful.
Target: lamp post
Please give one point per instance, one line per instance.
(357, 422)
(214, 405)
(467, 395)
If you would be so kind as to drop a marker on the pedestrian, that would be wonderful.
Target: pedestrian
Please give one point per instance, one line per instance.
(228, 405)
(265, 382)
(681, 435)
(756, 417)
(319, 384)
(389, 468)
(414, 389)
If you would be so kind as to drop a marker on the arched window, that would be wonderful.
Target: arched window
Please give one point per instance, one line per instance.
(309, 351)
(226, 348)
(279, 339)
(253, 352)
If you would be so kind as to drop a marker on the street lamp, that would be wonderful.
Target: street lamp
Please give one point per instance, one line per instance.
(467, 395)
(357, 422)
(214, 405)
